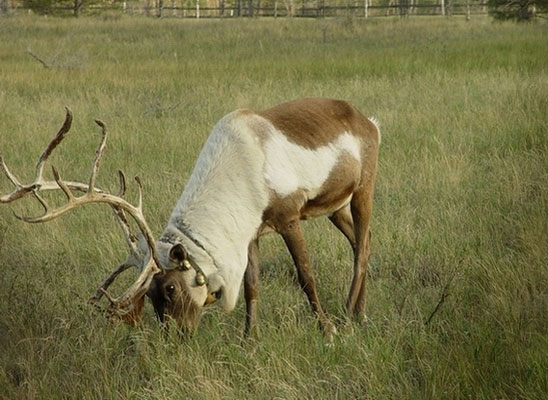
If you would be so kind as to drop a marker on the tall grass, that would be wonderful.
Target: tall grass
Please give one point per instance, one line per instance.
(460, 213)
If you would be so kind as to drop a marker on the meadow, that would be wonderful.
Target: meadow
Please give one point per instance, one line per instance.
(458, 288)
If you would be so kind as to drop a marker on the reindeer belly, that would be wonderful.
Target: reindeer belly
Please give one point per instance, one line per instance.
(334, 193)
(326, 204)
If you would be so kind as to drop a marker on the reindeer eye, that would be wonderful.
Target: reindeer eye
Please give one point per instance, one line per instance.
(170, 289)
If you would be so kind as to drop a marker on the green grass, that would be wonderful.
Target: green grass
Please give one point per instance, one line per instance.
(461, 208)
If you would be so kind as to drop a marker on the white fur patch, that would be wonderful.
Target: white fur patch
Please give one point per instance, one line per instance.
(377, 125)
(290, 167)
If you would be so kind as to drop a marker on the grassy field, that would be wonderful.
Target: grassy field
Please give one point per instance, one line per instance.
(460, 213)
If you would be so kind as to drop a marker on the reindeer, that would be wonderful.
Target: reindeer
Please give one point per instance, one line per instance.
(258, 172)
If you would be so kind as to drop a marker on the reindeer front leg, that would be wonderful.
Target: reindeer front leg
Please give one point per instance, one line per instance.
(251, 290)
(294, 239)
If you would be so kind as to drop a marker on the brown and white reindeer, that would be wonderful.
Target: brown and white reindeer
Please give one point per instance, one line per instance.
(258, 172)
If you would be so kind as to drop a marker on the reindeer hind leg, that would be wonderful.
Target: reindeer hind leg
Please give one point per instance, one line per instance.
(342, 219)
(361, 208)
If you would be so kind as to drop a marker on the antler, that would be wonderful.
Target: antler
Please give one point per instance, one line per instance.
(128, 306)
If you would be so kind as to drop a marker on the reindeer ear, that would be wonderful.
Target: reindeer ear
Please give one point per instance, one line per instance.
(178, 256)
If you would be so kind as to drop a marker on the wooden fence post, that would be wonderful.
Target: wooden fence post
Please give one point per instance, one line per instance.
(222, 8)
(160, 8)
(5, 7)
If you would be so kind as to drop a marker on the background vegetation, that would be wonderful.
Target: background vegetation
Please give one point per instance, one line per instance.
(521, 10)
(460, 217)
(259, 8)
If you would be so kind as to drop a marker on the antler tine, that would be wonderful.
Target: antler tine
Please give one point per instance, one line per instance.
(140, 219)
(122, 179)
(98, 155)
(107, 294)
(19, 190)
(102, 290)
(140, 198)
(9, 175)
(62, 184)
(138, 288)
(131, 238)
(52, 145)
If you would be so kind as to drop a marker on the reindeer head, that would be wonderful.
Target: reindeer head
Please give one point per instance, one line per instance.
(179, 292)
(170, 294)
